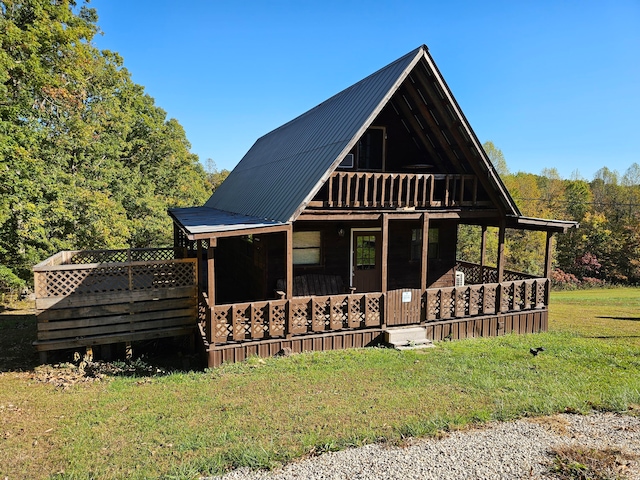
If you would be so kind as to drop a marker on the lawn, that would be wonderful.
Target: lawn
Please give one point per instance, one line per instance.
(56, 423)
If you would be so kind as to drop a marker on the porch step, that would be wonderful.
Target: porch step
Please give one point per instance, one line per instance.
(410, 338)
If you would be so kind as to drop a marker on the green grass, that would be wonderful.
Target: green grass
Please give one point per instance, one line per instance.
(262, 413)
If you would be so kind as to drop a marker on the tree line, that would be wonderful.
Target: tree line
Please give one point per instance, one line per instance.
(606, 246)
(87, 160)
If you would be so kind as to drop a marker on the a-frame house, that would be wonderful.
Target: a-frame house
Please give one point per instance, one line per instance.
(342, 224)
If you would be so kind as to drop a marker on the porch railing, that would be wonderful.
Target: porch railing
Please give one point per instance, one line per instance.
(300, 315)
(262, 320)
(399, 190)
(477, 274)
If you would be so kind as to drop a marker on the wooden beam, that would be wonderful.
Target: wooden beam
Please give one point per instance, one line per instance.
(289, 260)
(211, 279)
(500, 260)
(425, 252)
(548, 255)
(329, 215)
(483, 252)
(385, 250)
(238, 232)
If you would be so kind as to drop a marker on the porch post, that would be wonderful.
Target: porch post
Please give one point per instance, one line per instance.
(199, 264)
(500, 265)
(501, 234)
(483, 252)
(211, 287)
(289, 260)
(547, 267)
(385, 250)
(425, 251)
(211, 279)
(547, 255)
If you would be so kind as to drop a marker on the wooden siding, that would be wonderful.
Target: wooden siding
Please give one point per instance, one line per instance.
(113, 300)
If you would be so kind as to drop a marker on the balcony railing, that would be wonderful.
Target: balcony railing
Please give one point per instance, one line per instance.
(399, 190)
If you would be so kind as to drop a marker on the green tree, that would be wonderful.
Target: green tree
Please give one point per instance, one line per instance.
(87, 160)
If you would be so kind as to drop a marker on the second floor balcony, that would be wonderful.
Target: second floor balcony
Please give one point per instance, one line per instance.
(369, 190)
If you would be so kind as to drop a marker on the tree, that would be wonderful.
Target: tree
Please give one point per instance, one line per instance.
(87, 160)
(497, 158)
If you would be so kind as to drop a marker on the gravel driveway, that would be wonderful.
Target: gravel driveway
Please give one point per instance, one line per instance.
(507, 450)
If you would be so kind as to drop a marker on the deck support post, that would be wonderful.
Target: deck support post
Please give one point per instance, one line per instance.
(199, 273)
(500, 261)
(547, 266)
(425, 251)
(211, 286)
(289, 275)
(500, 265)
(483, 252)
(385, 259)
(547, 255)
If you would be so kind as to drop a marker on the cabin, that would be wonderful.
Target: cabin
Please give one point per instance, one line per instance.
(338, 229)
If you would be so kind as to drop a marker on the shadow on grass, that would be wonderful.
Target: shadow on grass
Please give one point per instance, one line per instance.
(633, 319)
(18, 329)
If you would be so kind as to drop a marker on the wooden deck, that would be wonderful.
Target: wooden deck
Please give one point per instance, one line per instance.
(234, 331)
(120, 296)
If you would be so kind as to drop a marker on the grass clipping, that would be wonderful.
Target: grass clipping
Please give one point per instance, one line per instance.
(581, 463)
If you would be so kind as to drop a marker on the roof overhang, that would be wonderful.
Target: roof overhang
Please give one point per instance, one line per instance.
(204, 222)
(540, 224)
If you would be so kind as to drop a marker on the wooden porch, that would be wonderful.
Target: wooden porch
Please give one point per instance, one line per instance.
(235, 331)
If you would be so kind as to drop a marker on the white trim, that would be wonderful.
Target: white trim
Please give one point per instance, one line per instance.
(366, 229)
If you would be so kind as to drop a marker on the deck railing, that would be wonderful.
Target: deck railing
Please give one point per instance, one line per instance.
(263, 320)
(400, 190)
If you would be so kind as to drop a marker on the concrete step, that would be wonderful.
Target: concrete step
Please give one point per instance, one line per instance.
(408, 338)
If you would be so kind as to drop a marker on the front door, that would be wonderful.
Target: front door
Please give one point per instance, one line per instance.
(367, 257)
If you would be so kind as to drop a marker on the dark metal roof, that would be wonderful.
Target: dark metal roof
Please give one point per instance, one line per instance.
(284, 168)
(195, 220)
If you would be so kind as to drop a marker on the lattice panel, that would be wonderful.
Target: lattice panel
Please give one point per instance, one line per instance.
(519, 292)
(259, 320)
(373, 317)
(339, 313)
(151, 254)
(163, 275)
(506, 300)
(489, 304)
(101, 279)
(540, 293)
(433, 305)
(241, 322)
(99, 256)
(300, 317)
(356, 312)
(277, 319)
(321, 315)
(121, 256)
(222, 327)
(461, 304)
(476, 300)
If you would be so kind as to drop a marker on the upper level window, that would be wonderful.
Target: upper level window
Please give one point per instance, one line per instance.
(306, 248)
(371, 149)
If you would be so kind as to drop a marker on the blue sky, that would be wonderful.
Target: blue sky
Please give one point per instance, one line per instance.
(553, 83)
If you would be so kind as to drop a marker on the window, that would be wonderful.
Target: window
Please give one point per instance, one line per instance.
(416, 243)
(365, 252)
(306, 248)
(371, 149)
